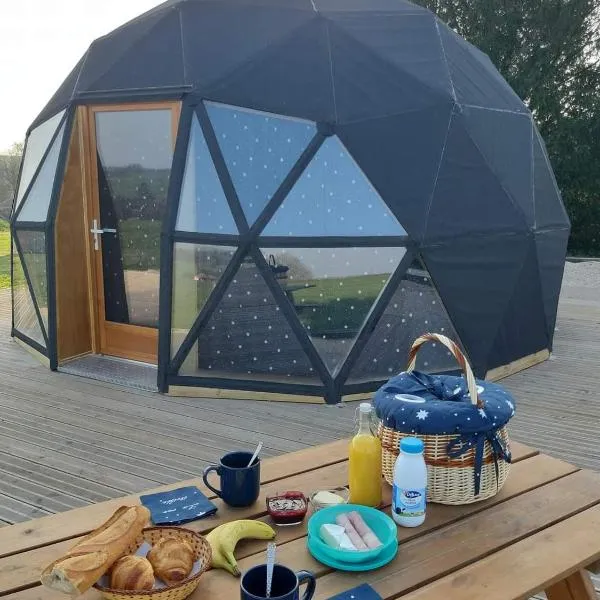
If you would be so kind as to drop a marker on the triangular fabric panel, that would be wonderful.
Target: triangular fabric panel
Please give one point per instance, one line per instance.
(333, 198)
(475, 279)
(332, 291)
(549, 209)
(203, 206)
(474, 81)
(410, 42)
(37, 144)
(368, 86)
(551, 252)
(400, 155)
(35, 207)
(33, 248)
(259, 151)
(298, 63)
(504, 139)
(147, 53)
(248, 336)
(241, 32)
(415, 309)
(25, 317)
(523, 330)
(468, 196)
(197, 269)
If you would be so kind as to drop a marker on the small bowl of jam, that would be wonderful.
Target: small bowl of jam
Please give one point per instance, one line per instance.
(288, 508)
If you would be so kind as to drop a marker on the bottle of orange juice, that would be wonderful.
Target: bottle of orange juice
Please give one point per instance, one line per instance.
(364, 456)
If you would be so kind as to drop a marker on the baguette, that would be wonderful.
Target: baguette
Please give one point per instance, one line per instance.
(95, 553)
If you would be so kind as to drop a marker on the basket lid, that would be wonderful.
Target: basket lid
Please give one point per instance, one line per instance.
(445, 406)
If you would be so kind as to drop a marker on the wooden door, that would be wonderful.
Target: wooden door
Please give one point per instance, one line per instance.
(130, 156)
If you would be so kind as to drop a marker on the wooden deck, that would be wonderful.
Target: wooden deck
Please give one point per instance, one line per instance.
(67, 441)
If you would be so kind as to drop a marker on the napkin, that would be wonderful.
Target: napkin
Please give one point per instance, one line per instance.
(362, 592)
(178, 506)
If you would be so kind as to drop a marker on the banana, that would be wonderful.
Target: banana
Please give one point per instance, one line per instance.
(224, 538)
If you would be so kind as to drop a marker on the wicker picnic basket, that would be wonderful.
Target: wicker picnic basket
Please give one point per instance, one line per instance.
(177, 591)
(463, 428)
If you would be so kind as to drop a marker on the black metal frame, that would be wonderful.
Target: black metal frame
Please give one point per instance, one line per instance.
(248, 243)
(165, 305)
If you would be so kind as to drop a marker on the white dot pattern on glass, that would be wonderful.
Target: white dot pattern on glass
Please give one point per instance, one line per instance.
(332, 291)
(260, 342)
(196, 271)
(264, 147)
(203, 206)
(411, 312)
(332, 198)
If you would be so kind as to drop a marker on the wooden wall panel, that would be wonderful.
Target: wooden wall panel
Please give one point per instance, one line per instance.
(72, 289)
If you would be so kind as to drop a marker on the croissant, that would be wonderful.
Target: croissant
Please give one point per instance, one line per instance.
(132, 573)
(172, 559)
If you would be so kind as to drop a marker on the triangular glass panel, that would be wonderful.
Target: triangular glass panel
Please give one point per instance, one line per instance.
(259, 150)
(414, 309)
(25, 317)
(37, 144)
(248, 336)
(196, 271)
(203, 206)
(33, 248)
(39, 196)
(333, 198)
(333, 291)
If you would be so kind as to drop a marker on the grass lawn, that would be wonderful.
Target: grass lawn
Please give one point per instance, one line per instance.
(4, 254)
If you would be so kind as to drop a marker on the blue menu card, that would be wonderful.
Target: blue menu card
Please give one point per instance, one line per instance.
(178, 506)
(362, 592)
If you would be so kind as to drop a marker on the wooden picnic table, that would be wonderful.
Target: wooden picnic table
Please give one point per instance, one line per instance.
(539, 533)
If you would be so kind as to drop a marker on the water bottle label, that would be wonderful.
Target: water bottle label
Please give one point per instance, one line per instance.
(409, 502)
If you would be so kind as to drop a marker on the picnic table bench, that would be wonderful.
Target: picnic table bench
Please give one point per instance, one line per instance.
(539, 533)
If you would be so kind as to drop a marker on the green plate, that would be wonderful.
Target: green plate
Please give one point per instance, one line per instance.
(382, 559)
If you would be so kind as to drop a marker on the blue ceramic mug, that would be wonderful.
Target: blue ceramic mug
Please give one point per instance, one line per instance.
(285, 585)
(240, 484)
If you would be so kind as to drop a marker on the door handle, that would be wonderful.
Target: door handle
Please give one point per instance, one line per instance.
(97, 231)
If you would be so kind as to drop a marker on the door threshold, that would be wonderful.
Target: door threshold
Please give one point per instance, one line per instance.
(110, 369)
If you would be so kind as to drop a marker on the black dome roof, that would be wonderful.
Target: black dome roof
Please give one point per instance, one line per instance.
(335, 61)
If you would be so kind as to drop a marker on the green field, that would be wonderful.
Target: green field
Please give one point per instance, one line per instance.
(4, 254)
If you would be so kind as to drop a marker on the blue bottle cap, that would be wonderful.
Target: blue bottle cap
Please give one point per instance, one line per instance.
(411, 445)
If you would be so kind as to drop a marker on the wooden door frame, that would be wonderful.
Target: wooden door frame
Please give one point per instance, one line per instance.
(91, 206)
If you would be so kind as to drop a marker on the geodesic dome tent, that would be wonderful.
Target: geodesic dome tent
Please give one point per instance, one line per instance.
(278, 196)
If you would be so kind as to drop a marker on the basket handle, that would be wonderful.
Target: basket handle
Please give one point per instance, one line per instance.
(456, 351)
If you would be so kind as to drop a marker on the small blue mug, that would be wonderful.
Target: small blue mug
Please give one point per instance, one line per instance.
(285, 585)
(240, 484)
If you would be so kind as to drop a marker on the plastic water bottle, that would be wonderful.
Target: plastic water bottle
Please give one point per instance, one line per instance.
(410, 484)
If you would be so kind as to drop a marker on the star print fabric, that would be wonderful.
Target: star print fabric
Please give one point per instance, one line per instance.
(440, 404)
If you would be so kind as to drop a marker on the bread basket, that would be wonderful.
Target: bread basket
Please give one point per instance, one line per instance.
(461, 420)
(177, 591)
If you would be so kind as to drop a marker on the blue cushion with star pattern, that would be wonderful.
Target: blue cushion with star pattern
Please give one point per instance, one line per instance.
(425, 404)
